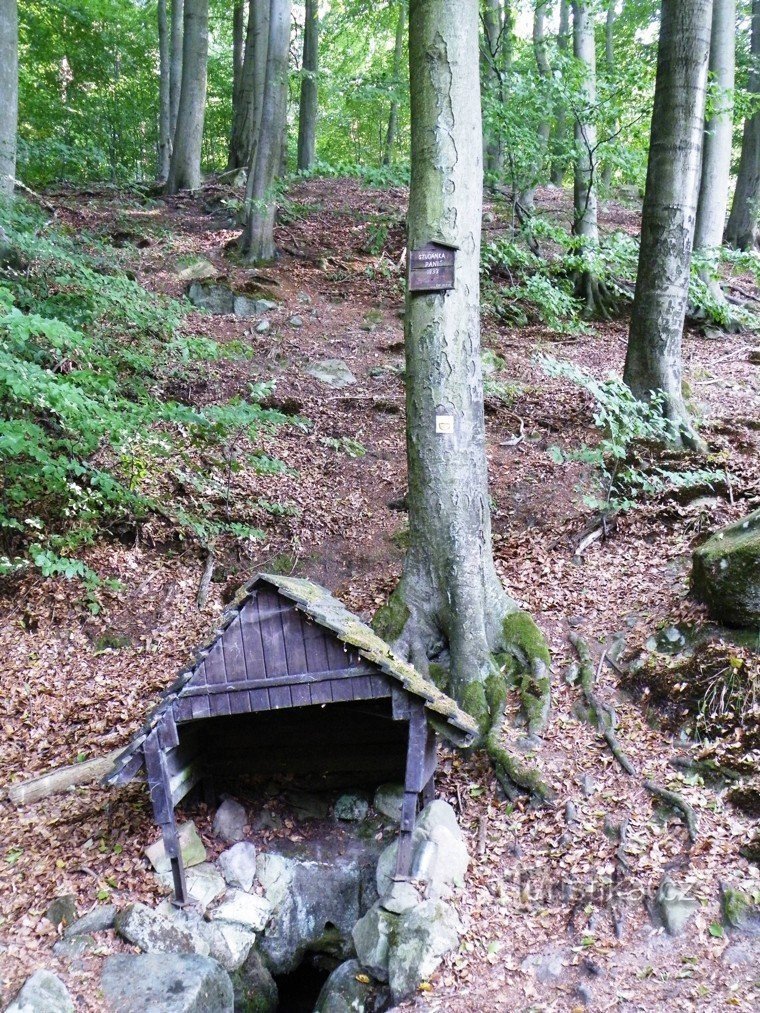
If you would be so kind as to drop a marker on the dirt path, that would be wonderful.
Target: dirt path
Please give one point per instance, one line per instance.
(539, 887)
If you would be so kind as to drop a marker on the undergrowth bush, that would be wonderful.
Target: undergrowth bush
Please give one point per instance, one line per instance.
(88, 435)
(628, 459)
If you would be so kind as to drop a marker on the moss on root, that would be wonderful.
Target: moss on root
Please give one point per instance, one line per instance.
(524, 638)
(475, 703)
(391, 618)
(525, 641)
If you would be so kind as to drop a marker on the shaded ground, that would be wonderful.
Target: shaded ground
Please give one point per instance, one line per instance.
(538, 885)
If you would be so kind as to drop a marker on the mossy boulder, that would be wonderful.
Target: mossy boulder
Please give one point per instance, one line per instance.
(726, 573)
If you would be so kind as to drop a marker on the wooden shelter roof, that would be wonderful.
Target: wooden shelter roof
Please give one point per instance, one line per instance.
(319, 605)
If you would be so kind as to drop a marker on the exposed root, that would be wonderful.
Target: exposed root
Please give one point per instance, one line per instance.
(600, 715)
(598, 301)
(513, 775)
(525, 643)
(676, 801)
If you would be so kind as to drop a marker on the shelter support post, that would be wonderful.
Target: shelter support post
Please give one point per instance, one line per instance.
(419, 782)
(163, 810)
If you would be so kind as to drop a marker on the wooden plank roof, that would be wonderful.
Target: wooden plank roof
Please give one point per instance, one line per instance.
(316, 603)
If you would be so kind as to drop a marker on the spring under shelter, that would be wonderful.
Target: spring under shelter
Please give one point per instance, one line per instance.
(292, 681)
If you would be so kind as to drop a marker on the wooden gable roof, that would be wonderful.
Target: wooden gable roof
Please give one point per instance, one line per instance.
(286, 642)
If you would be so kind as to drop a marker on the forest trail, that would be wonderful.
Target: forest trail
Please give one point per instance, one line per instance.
(544, 895)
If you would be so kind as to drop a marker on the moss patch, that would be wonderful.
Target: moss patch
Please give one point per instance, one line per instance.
(523, 637)
(475, 703)
(391, 618)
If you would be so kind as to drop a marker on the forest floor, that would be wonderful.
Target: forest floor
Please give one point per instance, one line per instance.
(78, 685)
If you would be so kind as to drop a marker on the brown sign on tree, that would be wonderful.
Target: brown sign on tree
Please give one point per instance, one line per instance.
(431, 268)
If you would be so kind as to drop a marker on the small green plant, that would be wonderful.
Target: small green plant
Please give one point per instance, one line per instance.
(345, 445)
(633, 435)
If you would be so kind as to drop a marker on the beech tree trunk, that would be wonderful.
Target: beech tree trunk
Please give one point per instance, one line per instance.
(653, 361)
(185, 168)
(449, 605)
(398, 56)
(493, 43)
(741, 231)
(239, 21)
(307, 114)
(527, 197)
(560, 156)
(246, 113)
(719, 129)
(584, 202)
(609, 61)
(164, 85)
(8, 95)
(257, 240)
(175, 69)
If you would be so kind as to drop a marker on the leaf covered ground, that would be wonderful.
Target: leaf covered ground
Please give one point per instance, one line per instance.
(544, 882)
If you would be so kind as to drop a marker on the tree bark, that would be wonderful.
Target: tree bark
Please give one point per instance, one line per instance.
(257, 240)
(185, 169)
(398, 56)
(741, 231)
(307, 115)
(653, 361)
(450, 601)
(8, 95)
(175, 69)
(239, 21)
(609, 61)
(492, 80)
(164, 85)
(718, 139)
(584, 202)
(560, 158)
(527, 197)
(246, 114)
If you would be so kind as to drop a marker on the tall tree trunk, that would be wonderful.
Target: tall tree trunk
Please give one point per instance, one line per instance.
(560, 156)
(527, 197)
(716, 153)
(493, 83)
(257, 240)
(239, 21)
(398, 56)
(609, 61)
(653, 362)
(584, 50)
(246, 114)
(450, 598)
(8, 95)
(742, 229)
(164, 84)
(185, 169)
(307, 114)
(175, 71)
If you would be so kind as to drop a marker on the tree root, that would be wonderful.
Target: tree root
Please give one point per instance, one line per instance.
(676, 801)
(513, 775)
(525, 642)
(600, 715)
(598, 300)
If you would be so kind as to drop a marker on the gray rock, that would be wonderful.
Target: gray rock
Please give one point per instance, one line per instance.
(309, 805)
(197, 270)
(230, 821)
(75, 946)
(188, 919)
(315, 905)
(62, 910)
(43, 992)
(244, 307)
(331, 372)
(424, 935)
(400, 898)
(439, 814)
(99, 919)
(238, 865)
(352, 808)
(450, 864)
(740, 912)
(244, 909)
(151, 931)
(739, 954)
(304, 297)
(255, 988)
(386, 865)
(675, 907)
(204, 884)
(166, 983)
(373, 937)
(191, 847)
(388, 800)
(296, 321)
(229, 943)
(344, 993)
(546, 967)
(213, 298)
(726, 573)
(263, 327)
